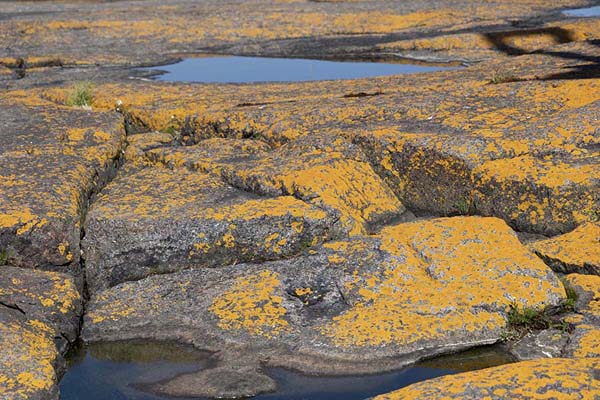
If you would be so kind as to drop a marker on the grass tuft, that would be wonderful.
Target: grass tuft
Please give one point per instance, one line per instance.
(3, 256)
(81, 95)
(503, 77)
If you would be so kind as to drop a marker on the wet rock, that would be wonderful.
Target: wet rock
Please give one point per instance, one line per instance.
(220, 382)
(364, 304)
(534, 379)
(548, 343)
(159, 220)
(577, 251)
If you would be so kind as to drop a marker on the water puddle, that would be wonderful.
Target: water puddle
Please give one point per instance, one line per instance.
(583, 12)
(261, 69)
(116, 370)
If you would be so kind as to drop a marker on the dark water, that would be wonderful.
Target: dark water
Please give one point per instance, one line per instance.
(262, 69)
(112, 371)
(583, 12)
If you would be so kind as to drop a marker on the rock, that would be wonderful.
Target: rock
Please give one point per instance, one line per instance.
(220, 382)
(584, 340)
(548, 343)
(545, 195)
(49, 297)
(587, 288)
(51, 162)
(534, 379)
(29, 358)
(158, 220)
(40, 313)
(326, 171)
(577, 251)
(364, 304)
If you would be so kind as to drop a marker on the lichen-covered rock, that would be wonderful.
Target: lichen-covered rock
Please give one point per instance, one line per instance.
(326, 171)
(49, 297)
(532, 380)
(28, 359)
(364, 304)
(587, 288)
(159, 220)
(577, 251)
(548, 195)
(52, 159)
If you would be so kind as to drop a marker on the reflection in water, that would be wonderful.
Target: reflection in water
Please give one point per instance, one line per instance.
(262, 69)
(114, 371)
(583, 12)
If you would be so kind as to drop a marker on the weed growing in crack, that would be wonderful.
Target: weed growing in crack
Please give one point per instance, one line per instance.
(81, 95)
(522, 320)
(465, 206)
(3, 256)
(503, 77)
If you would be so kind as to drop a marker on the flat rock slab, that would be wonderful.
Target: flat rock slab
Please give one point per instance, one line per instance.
(575, 252)
(532, 380)
(359, 305)
(52, 159)
(524, 150)
(127, 32)
(324, 170)
(159, 220)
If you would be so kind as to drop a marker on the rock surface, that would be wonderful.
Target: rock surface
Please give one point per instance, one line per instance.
(577, 251)
(347, 306)
(297, 224)
(39, 315)
(159, 220)
(535, 379)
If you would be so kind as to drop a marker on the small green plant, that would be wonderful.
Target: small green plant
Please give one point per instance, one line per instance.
(569, 303)
(3, 256)
(503, 77)
(81, 95)
(305, 244)
(465, 206)
(522, 320)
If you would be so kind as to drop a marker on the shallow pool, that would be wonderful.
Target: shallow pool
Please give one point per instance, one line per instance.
(261, 69)
(118, 371)
(583, 12)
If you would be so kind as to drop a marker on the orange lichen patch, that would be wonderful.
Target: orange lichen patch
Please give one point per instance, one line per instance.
(587, 341)
(325, 179)
(22, 219)
(590, 285)
(536, 379)
(60, 294)
(252, 305)
(209, 155)
(111, 311)
(576, 251)
(27, 359)
(450, 275)
(252, 209)
(552, 193)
